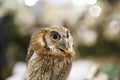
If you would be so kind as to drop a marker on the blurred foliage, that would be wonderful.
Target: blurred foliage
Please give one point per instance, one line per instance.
(102, 48)
(111, 70)
(16, 45)
(15, 37)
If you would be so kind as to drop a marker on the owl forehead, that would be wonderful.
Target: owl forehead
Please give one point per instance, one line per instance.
(60, 30)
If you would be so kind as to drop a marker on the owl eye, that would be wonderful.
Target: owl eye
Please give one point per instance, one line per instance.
(55, 36)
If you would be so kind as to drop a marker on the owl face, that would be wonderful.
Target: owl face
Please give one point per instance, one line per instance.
(59, 38)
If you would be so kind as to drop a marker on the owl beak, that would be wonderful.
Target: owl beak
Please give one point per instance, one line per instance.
(65, 44)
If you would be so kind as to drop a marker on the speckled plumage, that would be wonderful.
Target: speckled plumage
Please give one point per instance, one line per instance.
(49, 56)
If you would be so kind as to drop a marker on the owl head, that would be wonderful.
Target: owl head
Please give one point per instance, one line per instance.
(54, 39)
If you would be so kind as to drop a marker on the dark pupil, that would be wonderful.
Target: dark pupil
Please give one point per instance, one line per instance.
(55, 36)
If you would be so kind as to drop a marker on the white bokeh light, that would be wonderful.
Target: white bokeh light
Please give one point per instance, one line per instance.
(83, 2)
(114, 27)
(91, 2)
(89, 37)
(112, 31)
(58, 2)
(30, 2)
(78, 2)
(95, 10)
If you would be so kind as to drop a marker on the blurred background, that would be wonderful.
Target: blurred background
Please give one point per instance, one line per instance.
(94, 24)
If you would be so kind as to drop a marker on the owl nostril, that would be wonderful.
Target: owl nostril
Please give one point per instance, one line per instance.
(73, 46)
(67, 36)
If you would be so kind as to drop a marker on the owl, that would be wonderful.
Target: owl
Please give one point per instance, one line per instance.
(50, 54)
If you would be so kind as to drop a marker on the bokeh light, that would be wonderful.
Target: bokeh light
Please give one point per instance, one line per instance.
(89, 37)
(91, 2)
(95, 10)
(58, 2)
(78, 2)
(30, 2)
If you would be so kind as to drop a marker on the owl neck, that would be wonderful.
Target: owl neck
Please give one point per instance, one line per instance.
(55, 53)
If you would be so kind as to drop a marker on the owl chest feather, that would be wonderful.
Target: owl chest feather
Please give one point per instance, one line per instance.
(48, 67)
